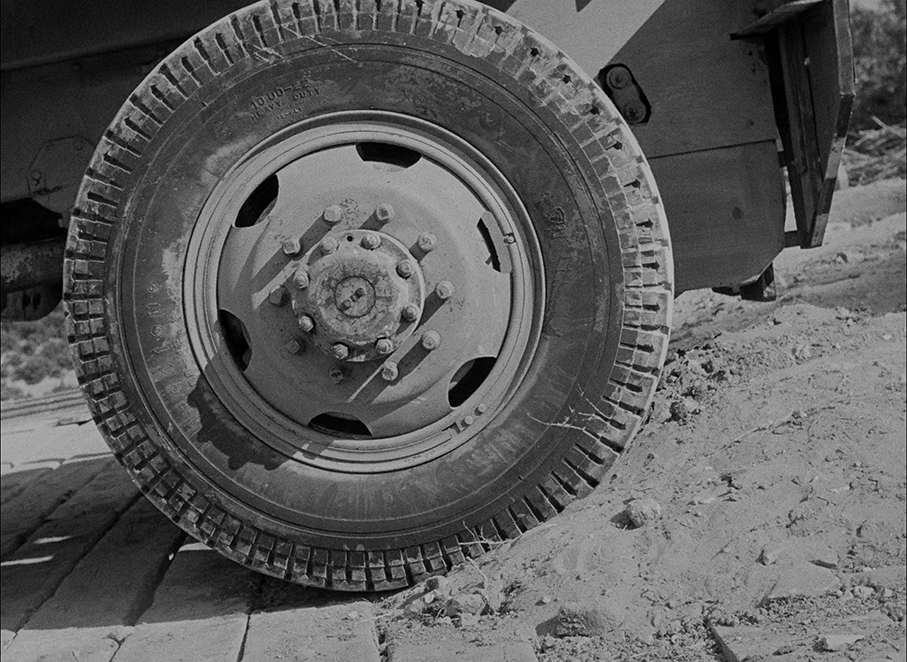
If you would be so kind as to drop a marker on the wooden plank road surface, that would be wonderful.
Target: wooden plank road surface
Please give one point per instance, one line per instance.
(91, 571)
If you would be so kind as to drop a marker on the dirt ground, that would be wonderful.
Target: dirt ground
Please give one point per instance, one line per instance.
(775, 453)
(759, 515)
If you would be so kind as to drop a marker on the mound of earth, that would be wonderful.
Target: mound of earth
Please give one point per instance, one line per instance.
(761, 510)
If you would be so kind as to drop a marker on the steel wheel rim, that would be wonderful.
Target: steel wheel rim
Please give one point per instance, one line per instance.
(264, 414)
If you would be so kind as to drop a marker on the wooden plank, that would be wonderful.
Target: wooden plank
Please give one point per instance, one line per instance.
(313, 634)
(105, 593)
(50, 440)
(209, 597)
(446, 644)
(13, 481)
(24, 514)
(31, 574)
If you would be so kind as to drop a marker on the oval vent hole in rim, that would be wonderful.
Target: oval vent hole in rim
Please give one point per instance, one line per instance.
(468, 379)
(386, 156)
(236, 337)
(342, 424)
(257, 205)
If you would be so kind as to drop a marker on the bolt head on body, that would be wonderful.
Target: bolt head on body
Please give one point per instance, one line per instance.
(370, 241)
(426, 242)
(278, 296)
(389, 371)
(306, 324)
(410, 313)
(301, 279)
(619, 78)
(384, 213)
(340, 351)
(634, 111)
(405, 269)
(329, 245)
(291, 246)
(444, 290)
(332, 214)
(384, 346)
(431, 340)
(293, 346)
(337, 374)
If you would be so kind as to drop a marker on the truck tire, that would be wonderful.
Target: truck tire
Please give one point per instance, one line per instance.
(356, 288)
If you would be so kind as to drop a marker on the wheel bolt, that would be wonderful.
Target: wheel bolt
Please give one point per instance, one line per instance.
(292, 246)
(384, 346)
(389, 371)
(278, 296)
(337, 374)
(426, 242)
(444, 290)
(405, 268)
(384, 213)
(370, 241)
(301, 279)
(328, 245)
(410, 313)
(431, 340)
(332, 214)
(306, 324)
(340, 351)
(293, 346)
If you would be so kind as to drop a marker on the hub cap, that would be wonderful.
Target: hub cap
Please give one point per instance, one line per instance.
(368, 291)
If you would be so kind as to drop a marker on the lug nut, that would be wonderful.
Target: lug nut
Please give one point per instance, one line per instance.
(340, 351)
(293, 346)
(405, 268)
(370, 241)
(278, 296)
(337, 374)
(384, 213)
(444, 290)
(306, 324)
(389, 371)
(431, 340)
(384, 346)
(426, 242)
(291, 246)
(410, 313)
(332, 214)
(301, 278)
(328, 245)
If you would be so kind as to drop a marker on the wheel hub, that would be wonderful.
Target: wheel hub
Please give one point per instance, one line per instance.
(355, 294)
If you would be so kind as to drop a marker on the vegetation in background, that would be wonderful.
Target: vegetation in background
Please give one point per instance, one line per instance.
(880, 53)
(31, 353)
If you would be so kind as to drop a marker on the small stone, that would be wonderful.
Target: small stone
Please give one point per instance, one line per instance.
(804, 579)
(839, 642)
(441, 585)
(582, 620)
(802, 352)
(770, 555)
(546, 600)
(470, 603)
(643, 511)
(863, 592)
